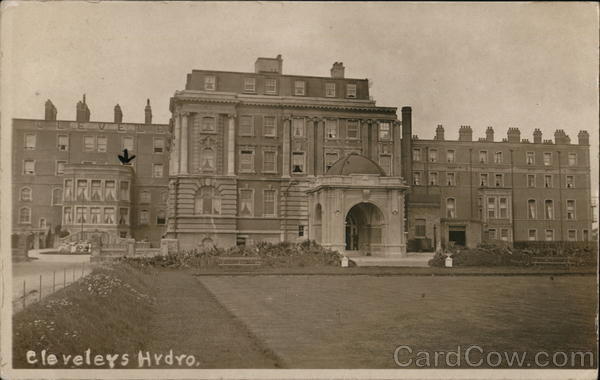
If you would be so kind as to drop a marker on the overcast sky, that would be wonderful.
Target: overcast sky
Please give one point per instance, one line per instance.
(505, 65)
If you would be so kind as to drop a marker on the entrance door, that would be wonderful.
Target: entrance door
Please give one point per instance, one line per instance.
(364, 223)
(458, 235)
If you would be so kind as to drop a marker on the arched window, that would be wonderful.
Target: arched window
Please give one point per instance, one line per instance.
(207, 201)
(57, 196)
(451, 208)
(25, 215)
(208, 159)
(42, 222)
(26, 194)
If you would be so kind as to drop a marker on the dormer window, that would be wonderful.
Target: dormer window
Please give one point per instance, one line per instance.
(299, 88)
(249, 85)
(330, 90)
(271, 86)
(210, 83)
(351, 90)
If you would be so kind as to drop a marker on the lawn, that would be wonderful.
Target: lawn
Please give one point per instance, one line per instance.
(358, 321)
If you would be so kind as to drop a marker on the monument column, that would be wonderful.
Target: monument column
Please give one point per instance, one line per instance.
(231, 144)
(184, 143)
(285, 160)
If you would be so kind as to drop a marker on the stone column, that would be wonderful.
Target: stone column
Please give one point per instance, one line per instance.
(364, 136)
(231, 144)
(285, 160)
(310, 137)
(184, 143)
(176, 154)
(374, 140)
(319, 137)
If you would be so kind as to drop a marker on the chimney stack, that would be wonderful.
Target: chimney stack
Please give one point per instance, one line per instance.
(560, 137)
(82, 111)
(537, 136)
(118, 114)
(489, 134)
(583, 137)
(406, 144)
(439, 133)
(465, 133)
(513, 135)
(148, 113)
(50, 111)
(337, 70)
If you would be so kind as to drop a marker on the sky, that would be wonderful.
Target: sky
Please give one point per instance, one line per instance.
(525, 65)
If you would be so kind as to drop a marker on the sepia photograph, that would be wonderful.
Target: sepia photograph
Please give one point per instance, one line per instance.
(299, 190)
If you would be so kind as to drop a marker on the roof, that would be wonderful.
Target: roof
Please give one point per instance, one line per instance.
(355, 164)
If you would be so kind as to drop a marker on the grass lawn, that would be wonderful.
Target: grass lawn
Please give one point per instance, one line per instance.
(358, 321)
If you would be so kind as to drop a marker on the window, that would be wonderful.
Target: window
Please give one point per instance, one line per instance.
(28, 167)
(385, 161)
(164, 196)
(570, 182)
(531, 209)
(491, 208)
(298, 162)
(532, 235)
(572, 159)
(30, 141)
(351, 90)
(81, 215)
(271, 86)
(586, 236)
(208, 159)
(417, 178)
(498, 158)
(433, 178)
(299, 87)
(95, 217)
(144, 217)
(433, 155)
(549, 235)
(572, 235)
(483, 180)
(127, 143)
(157, 170)
(530, 180)
(124, 191)
(530, 158)
(330, 90)
(269, 128)
(145, 196)
(110, 190)
(57, 196)
(247, 126)
(159, 145)
(300, 230)
(67, 216)
(450, 179)
(68, 189)
(250, 85)
(102, 143)
(450, 156)
(298, 127)
(82, 190)
(492, 234)
(246, 202)
(330, 159)
(384, 131)
(549, 209)
(207, 201)
(547, 158)
(548, 180)
(269, 165)
(503, 208)
(109, 215)
(269, 203)
(25, 215)
(416, 154)
(161, 218)
(483, 156)
(570, 209)
(451, 208)
(124, 216)
(352, 129)
(331, 129)
(42, 223)
(499, 180)
(420, 228)
(89, 143)
(26, 194)
(96, 190)
(246, 161)
(63, 143)
(210, 83)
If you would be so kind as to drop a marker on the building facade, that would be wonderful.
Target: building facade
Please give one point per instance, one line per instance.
(67, 178)
(266, 156)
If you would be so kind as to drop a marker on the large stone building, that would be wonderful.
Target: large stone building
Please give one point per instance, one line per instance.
(265, 156)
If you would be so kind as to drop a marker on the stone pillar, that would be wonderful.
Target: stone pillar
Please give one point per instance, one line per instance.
(175, 155)
(310, 155)
(374, 140)
(184, 143)
(231, 144)
(285, 160)
(319, 137)
(364, 136)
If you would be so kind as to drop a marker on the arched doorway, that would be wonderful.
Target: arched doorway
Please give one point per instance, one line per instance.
(363, 230)
(318, 222)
